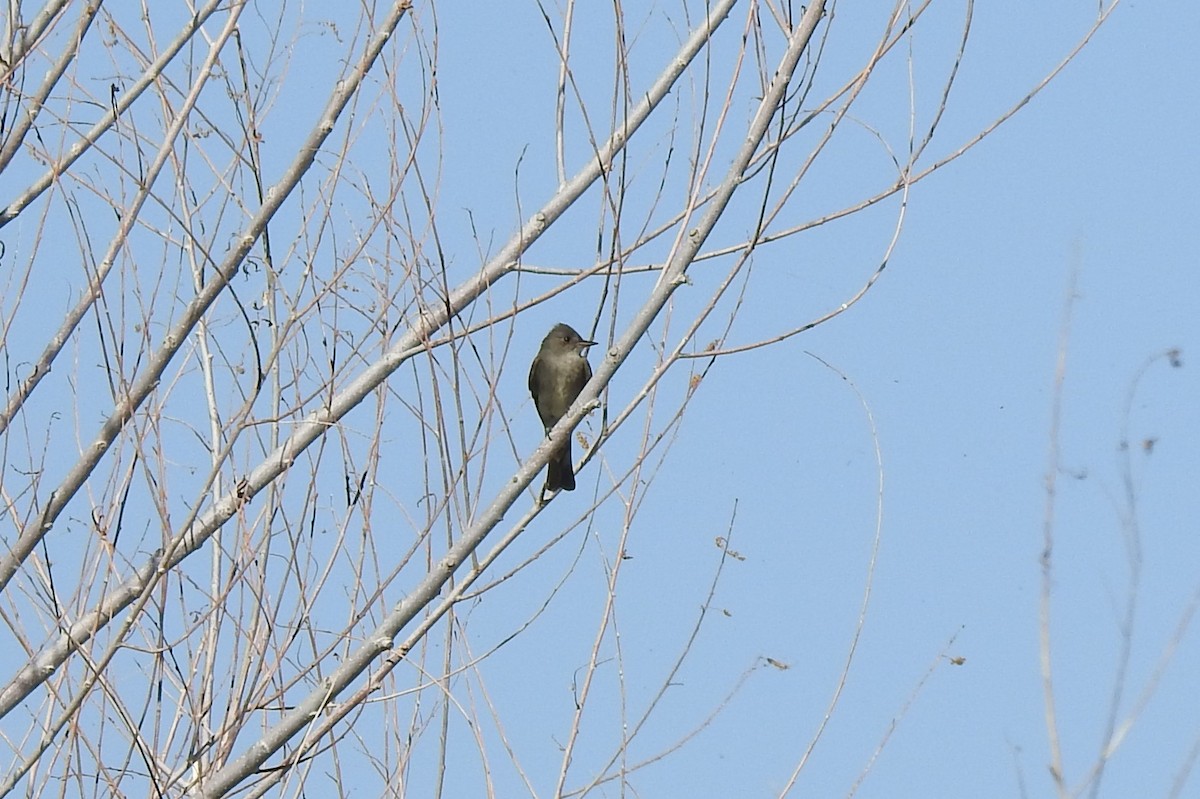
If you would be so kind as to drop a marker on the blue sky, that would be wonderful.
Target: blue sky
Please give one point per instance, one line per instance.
(955, 351)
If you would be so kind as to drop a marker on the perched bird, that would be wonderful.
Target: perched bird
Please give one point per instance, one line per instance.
(558, 374)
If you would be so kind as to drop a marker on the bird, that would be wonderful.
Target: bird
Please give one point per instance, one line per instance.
(558, 373)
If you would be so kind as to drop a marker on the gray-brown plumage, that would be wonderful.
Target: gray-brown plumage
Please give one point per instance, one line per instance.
(558, 374)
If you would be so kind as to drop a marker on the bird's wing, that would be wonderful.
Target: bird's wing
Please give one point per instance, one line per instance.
(533, 368)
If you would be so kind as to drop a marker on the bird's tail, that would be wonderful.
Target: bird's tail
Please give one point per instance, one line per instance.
(559, 472)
